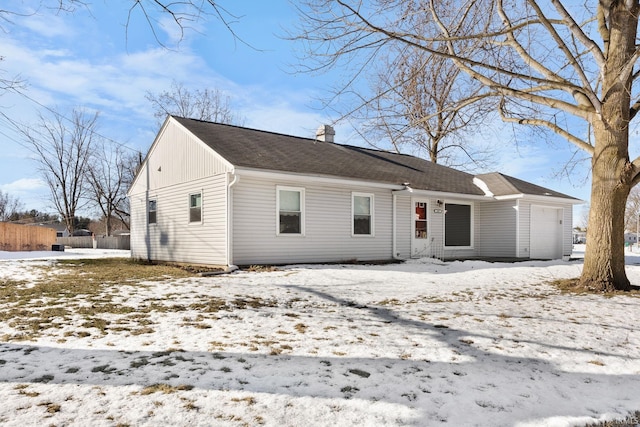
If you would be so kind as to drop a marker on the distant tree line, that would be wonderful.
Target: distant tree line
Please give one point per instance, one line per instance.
(85, 170)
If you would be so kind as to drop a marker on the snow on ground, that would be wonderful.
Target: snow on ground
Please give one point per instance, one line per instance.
(422, 343)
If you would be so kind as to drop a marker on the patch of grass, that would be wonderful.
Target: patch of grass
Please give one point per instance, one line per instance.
(98, 323)
(191, 406)
(164, 388)
(103, 368)
(141, 331)
(573, 286)
(52, 408)
(138, 363)
(44, 379)
(243, 302)
(211, 305)
(71, 287)
(301, 327)
(392, 301)
(123, 270)
(262, 268)
(248, 400)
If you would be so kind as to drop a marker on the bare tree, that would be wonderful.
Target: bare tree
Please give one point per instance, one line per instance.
(9, 206)
(62, 150)
(424, 103)
(632, 212)
(184, 14)
(108, 173)
(550, 63)
(207, 104)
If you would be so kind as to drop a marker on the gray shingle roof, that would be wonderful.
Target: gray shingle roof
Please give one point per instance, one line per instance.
(504, 185)
(257, 149)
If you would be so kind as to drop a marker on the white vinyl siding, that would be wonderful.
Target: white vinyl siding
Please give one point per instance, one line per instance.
(497, 228)
(404, 220)
(327, 219)
(567, 230)
(177, 157)
(171, 238)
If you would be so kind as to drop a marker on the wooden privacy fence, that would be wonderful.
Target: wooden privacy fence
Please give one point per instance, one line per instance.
(15, 237)
(101, 242)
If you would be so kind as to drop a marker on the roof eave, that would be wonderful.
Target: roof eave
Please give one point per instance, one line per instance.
(541, 198)
(442, 194)
(302, 177)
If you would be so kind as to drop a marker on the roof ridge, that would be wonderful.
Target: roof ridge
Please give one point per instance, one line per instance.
(244, 128)
(312, 140)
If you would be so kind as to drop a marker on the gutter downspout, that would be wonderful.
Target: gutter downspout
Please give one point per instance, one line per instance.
(229, 231)
(394, 246)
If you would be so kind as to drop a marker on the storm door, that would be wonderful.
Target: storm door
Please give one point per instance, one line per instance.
(420, 229)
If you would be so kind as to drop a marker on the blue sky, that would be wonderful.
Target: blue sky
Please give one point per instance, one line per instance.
(88, 59)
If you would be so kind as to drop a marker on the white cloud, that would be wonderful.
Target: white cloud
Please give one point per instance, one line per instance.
(33, 193)
(24, 185)
(46, 24)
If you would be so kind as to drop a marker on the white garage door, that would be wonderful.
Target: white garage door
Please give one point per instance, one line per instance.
(546, 232)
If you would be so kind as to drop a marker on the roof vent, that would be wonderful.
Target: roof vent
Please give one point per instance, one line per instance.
(325, 133)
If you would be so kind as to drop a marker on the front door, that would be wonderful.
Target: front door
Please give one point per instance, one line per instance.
(420, 229)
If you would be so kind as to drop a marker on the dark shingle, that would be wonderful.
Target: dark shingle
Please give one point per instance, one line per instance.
(258, 149)
(271, 151)
(504, 185)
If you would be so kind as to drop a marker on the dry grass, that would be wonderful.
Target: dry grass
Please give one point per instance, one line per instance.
(164, 388)
(84, 288)
(573, 286)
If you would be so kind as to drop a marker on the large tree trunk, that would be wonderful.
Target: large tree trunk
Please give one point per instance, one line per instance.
(604, 267)
(612, 173)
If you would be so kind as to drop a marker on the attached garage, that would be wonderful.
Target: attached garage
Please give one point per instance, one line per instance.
(546, 232)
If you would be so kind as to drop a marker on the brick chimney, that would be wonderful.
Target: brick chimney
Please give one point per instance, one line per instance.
(325, 133)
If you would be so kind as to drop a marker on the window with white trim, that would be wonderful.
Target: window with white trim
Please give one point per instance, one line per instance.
(290, 203)
(362, 213)
(458, 225)
(195, 207)
(152, 211)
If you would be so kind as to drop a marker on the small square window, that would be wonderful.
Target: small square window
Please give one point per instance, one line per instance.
(195, 207)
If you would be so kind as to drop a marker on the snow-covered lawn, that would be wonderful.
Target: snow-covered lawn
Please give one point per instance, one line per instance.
(421, 343)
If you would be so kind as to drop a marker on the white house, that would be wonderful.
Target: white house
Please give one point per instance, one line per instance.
(218, 194)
